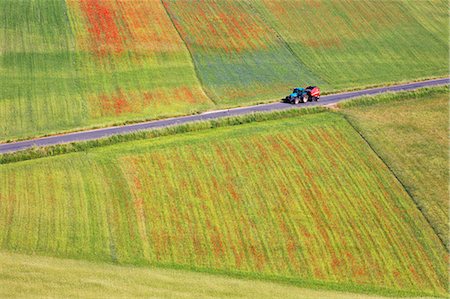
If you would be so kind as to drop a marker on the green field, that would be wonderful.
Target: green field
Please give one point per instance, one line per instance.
(70, 64)
(410, 133)
(351, 43)
(313, 207)
(37, 277)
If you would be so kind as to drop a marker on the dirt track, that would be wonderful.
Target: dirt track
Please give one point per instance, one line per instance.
(104, 132)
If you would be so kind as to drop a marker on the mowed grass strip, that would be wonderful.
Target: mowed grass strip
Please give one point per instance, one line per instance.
(353, 43)
(37, 277)
(410, 132)
(303, 200)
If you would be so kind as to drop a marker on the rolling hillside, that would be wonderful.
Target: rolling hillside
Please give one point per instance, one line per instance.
(75, 64)
(263, 200)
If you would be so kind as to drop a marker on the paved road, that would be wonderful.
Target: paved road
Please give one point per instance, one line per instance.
(99, 133)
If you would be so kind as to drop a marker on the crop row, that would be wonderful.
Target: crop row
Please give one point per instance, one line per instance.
(239, 57)
(355, 43)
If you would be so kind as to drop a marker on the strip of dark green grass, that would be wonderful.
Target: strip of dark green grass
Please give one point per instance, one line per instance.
(60, 149)
(394, 96)
(305, 283)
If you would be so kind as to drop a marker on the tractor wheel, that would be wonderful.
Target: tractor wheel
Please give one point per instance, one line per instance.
(305, 98)
(315, 99)
(296, 100)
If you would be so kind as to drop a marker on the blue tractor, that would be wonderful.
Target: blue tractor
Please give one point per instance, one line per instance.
(299, 94)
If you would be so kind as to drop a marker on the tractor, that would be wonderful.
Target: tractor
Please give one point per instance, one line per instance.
(308, 94)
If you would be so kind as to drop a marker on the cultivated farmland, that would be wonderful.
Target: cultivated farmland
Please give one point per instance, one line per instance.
(239, 57)
(261, 200)
(23, 275)
(410, 133)
(69, 64)
(75, 64)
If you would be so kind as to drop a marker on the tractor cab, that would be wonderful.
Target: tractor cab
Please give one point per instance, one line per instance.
(297, 92)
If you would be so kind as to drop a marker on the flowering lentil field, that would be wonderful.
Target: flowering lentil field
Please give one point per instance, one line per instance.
(73, 64)
(312, 206)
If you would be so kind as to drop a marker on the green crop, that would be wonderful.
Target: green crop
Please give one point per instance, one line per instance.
(351, 43)
(239, 57)
(76, 64)
(301, 200)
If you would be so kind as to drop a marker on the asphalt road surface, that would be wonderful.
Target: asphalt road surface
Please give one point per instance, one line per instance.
(101, 133)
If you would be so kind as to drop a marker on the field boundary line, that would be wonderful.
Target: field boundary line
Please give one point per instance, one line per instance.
(197, 72)
(397, 178)
(286, 44)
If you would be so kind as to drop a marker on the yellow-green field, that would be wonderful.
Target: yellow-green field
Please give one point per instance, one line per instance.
(302, 200)
(411, 135)
(38, 277)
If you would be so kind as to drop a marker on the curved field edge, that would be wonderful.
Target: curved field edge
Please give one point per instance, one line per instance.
(409, 131)
(36, 276)
(118, 187)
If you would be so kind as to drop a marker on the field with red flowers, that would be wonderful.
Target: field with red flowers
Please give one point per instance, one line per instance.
(85, 63)
(313, 207)
(74, 64)
(257, 50)
(239, 57)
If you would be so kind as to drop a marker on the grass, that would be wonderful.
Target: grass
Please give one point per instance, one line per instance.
(37, 277)
(410, 132)
(311, 206)
(70, 64)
